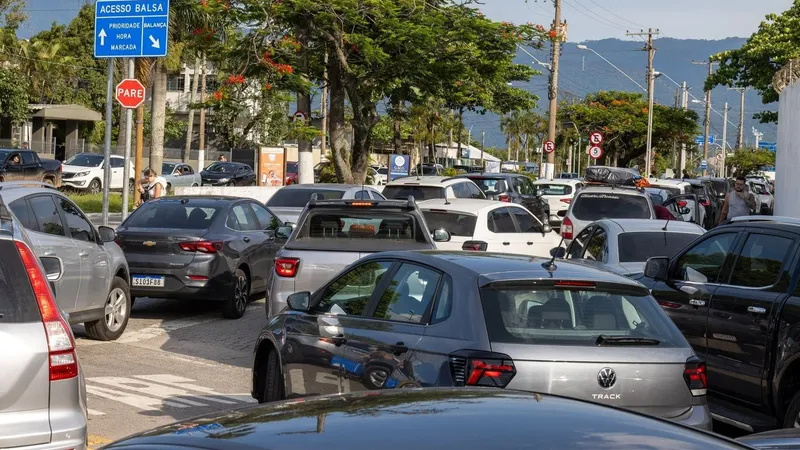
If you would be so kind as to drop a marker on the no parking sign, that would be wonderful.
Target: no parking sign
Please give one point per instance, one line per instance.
(549, 147)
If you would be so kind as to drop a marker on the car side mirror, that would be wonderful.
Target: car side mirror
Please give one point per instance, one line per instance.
(299, 301)
(657, 268)
(441, 236)
(558, 252)
(539, 192)
(107, 234)
(52, 267)
(284, 232)
(684, 210)
(546, 228)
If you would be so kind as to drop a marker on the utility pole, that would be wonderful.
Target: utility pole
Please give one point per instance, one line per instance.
(305, 150)
(323, 109)
(740, 138)
(201, 153)
(651, 77)
(707, 118)
(724, 137)
(550, 167)
(483, 148)
(684, 106)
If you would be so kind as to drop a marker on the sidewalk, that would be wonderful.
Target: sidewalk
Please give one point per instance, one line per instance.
(114, 219)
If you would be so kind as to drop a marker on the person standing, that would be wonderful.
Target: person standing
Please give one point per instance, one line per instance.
(738, 202)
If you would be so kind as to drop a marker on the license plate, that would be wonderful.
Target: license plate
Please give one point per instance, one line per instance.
(148, 281)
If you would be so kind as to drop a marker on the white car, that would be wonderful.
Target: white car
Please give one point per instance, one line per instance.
(427, 188)
(84, 172)
(491, 226)
(765, 200)
(558, 193)
(381, 176)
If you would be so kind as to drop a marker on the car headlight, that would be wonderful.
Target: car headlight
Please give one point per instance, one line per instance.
(224, 180)
(82, 174)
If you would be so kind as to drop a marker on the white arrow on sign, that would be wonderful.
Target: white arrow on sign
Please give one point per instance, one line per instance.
(156, 42)
(102, 36)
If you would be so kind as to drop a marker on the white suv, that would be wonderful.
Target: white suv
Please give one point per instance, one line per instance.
(85, 172)
(427, 188)
(596, 202)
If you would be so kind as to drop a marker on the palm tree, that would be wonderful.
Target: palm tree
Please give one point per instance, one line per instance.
(511, 125)
(36, 60)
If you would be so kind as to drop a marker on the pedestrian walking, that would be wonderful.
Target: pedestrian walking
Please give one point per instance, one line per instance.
(151, 186)
(739, 202)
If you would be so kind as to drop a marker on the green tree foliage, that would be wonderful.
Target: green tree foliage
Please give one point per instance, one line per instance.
(13, 97)
(747, 161)
(776, 42)
(622, 118)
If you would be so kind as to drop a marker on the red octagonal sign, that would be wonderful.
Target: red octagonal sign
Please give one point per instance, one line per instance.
(130, 93)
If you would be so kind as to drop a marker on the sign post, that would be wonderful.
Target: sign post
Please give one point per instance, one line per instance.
(132, 29)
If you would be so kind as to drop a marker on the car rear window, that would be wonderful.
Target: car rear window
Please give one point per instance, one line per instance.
(517, 314)
(638, 247)
(363, 226)
(699, 191)
(591, 206)
(401, 192)
(672, 190)
(171, 214)
(299, 198)
(17, 302)
(554, 189)
(491, 186)
(458, 224)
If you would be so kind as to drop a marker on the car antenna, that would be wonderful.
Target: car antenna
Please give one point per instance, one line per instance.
(666, 224)
(551, 266)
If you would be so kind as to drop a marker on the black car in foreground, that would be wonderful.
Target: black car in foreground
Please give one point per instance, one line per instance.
(228, 174)
(200, 248)
(464, 419)
(512, 188)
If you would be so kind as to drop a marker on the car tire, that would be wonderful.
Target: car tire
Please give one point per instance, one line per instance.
(273, 387)
(236, 303)
(117, 311)
(792, 415)
(94, 187)
(195, 185)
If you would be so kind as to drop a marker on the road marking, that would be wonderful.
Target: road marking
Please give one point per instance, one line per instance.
(298, 381)
(95, 441)
(186, 384)
(94, 412)
(137, 401)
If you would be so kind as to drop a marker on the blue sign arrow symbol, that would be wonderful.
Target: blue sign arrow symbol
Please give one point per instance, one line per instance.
(102, 36)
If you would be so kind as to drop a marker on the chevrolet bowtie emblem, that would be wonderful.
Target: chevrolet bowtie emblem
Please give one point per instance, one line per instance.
(149, 243)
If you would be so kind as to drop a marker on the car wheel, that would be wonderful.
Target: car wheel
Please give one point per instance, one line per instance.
(116, 312)
(195, 185)
(237, 300)
(273, 387)
(375, 377)
(94, 186)
(133, 301)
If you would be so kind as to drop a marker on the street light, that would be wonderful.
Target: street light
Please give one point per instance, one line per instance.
(650, 100)
(583, 47)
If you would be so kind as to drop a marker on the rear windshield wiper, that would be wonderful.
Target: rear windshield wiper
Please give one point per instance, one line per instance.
(624, 340)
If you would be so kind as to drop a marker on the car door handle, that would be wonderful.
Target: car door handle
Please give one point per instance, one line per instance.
(246, 239)
(756, 310)
(530, 242)
(691, 290)
(399, 348)
(506, 243)
(338, 340)
(698, 303)
(83, 254)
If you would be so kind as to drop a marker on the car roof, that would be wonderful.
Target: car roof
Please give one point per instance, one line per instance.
(10, 192)
(426, 180)
(558, 181)
(611, 189)
(666, 182)
(202, 199)
(490, 175)
(506, 267)
(644, 225)
(323, 186)
(462, 205)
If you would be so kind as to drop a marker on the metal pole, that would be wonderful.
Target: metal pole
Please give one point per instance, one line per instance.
(483, 147)
(740, 142)
(684, 106)
(107, 147)
(550, 167)
(651, 78)
(126, 171)
(724, 137)
(323, 109)
(201, 153)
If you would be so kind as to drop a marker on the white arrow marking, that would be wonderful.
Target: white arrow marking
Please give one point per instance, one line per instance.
(156, 42)
(102, 36)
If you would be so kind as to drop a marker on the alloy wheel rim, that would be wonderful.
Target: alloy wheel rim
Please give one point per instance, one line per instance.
(240, 293)
(94, 187)
(116, 310)
(378, 377)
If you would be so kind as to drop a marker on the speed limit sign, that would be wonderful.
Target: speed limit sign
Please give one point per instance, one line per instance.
(596, 152)
(596, 138)
(549, 146)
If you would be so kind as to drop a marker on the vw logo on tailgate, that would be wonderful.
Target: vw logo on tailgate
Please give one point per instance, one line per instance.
(606, 378)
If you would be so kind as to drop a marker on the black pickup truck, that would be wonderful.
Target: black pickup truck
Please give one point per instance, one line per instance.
(25, 165)
(734, 293)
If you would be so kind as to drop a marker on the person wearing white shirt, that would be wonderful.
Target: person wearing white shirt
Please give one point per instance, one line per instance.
(151, 186)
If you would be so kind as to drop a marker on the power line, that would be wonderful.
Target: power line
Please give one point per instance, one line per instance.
(612, 13)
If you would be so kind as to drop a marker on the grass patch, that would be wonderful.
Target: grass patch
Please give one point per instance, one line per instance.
(93, 203)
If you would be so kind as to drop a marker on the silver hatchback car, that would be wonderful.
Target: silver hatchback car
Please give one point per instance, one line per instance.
(434, 318)
(43, 395)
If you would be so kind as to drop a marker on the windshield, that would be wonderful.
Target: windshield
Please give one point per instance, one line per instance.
(591, 207)
(555, 189)
(362, 225)
(221, 167)
(638, 247)
(458, 224)
(292, 167)
(491, 186)
(85, 160)
(402, 191)
(383, 171)
(655, 197)
(671, 189)
(172, 214)
(758, 189)
(299, 198)
(721, 186)
(167, 168)
(546, 316)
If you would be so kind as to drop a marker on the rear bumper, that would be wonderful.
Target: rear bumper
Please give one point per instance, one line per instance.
(178, 285)
(698, 416)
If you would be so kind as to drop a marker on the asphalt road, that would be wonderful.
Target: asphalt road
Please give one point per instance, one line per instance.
(175, 361)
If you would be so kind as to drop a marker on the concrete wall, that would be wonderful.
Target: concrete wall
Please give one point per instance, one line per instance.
(787, 161)
(259, 193)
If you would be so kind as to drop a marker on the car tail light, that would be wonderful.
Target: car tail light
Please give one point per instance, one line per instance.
(566, 228)
(286, 267)
(566, 200)
(575, 284)
(669, 305)
(201, 246)
(504, 198)
(475, 246)
(494, 370)
(705, 202)
(682, 203)
(61, 346)
(198, 278)
(695, 375)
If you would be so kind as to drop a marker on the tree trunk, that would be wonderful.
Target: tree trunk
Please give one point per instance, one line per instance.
(187, 151)
(460, 131)
(159, 117)
(365, 117)
(337, 123)
(397, 116)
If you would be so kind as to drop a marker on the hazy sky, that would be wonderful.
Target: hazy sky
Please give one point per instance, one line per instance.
(597, 19)
(588, 19)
